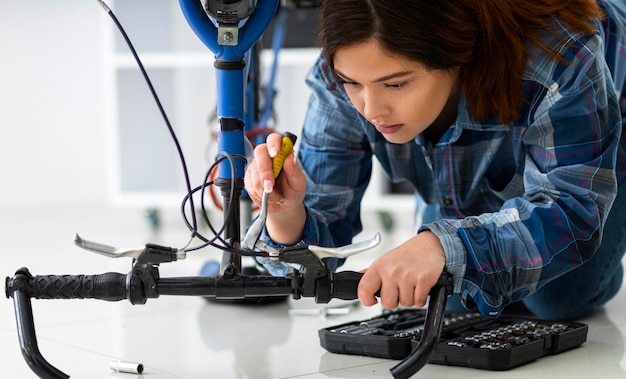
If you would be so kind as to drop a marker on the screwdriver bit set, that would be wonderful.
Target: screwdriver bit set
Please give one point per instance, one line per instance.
(467, 339)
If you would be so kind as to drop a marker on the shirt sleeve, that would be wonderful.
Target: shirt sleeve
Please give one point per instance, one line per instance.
(570, 143)
(336, 158)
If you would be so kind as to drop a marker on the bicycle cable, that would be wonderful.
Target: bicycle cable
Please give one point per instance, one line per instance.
(188, 199)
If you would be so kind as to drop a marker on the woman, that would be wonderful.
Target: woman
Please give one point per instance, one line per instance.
(505, 117)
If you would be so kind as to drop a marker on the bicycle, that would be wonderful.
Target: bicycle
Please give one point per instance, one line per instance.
(229, 28)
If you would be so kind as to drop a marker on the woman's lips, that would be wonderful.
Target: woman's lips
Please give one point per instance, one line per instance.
(388, 129)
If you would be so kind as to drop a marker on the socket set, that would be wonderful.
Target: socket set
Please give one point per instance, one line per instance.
(467, 339)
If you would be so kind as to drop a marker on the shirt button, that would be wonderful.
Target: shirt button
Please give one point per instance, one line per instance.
(447, 201)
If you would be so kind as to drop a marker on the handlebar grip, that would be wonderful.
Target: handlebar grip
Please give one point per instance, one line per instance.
(345, 284)
(110, 286)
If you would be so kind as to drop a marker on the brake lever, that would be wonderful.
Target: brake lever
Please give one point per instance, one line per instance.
(106, 250)
(149, 254)
(345, 251)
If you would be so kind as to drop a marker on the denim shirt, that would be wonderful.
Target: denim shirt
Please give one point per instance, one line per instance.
(523, 202)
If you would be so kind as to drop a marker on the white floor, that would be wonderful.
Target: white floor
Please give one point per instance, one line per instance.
(187, 337)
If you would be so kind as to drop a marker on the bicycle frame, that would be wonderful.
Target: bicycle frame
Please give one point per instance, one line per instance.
(231, 44)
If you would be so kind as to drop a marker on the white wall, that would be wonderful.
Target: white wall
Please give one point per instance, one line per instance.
(52, 146)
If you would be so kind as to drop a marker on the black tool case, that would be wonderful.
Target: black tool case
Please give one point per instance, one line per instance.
(467, 339)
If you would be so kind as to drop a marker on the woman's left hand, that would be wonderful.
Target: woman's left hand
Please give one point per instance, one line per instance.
(405, 274)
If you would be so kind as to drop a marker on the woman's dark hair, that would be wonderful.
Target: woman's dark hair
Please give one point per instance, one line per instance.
(486, 39)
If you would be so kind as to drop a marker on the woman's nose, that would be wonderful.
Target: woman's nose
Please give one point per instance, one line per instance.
(374, 107)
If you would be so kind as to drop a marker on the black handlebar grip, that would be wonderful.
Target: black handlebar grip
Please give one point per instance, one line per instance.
(110, 286)
(345, 284)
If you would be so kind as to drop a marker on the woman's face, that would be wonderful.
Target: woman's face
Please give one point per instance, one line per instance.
(401, 98)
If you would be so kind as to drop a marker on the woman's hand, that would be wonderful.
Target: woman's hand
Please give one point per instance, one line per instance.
(286, 214)
(405, 274)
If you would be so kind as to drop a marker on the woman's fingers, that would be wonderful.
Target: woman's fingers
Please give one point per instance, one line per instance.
(369, 284)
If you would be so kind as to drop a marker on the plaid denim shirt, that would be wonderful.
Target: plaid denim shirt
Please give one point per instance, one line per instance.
(522, 203)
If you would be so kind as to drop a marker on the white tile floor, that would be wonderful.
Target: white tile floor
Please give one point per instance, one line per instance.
(179, 337)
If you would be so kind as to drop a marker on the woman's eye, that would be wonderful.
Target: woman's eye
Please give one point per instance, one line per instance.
(396, 85)
(348, 83)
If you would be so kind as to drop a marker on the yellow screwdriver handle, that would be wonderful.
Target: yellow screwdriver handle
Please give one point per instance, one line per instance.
(286, 148)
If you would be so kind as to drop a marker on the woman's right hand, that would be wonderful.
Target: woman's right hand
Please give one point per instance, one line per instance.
(286, 214)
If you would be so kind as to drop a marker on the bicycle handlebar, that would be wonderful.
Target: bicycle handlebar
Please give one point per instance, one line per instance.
(112, 286)
(143, 282)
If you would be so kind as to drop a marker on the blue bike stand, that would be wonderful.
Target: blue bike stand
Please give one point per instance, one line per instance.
(230, 28)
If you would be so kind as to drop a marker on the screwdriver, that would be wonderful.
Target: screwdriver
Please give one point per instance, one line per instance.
(286, 147)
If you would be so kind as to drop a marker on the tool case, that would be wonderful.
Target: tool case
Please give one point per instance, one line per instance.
(467, 339)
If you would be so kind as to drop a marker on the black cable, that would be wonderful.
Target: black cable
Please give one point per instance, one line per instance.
(193, 225)
(222, 156)
(195, 234)
(161, 109)
(208, 183)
